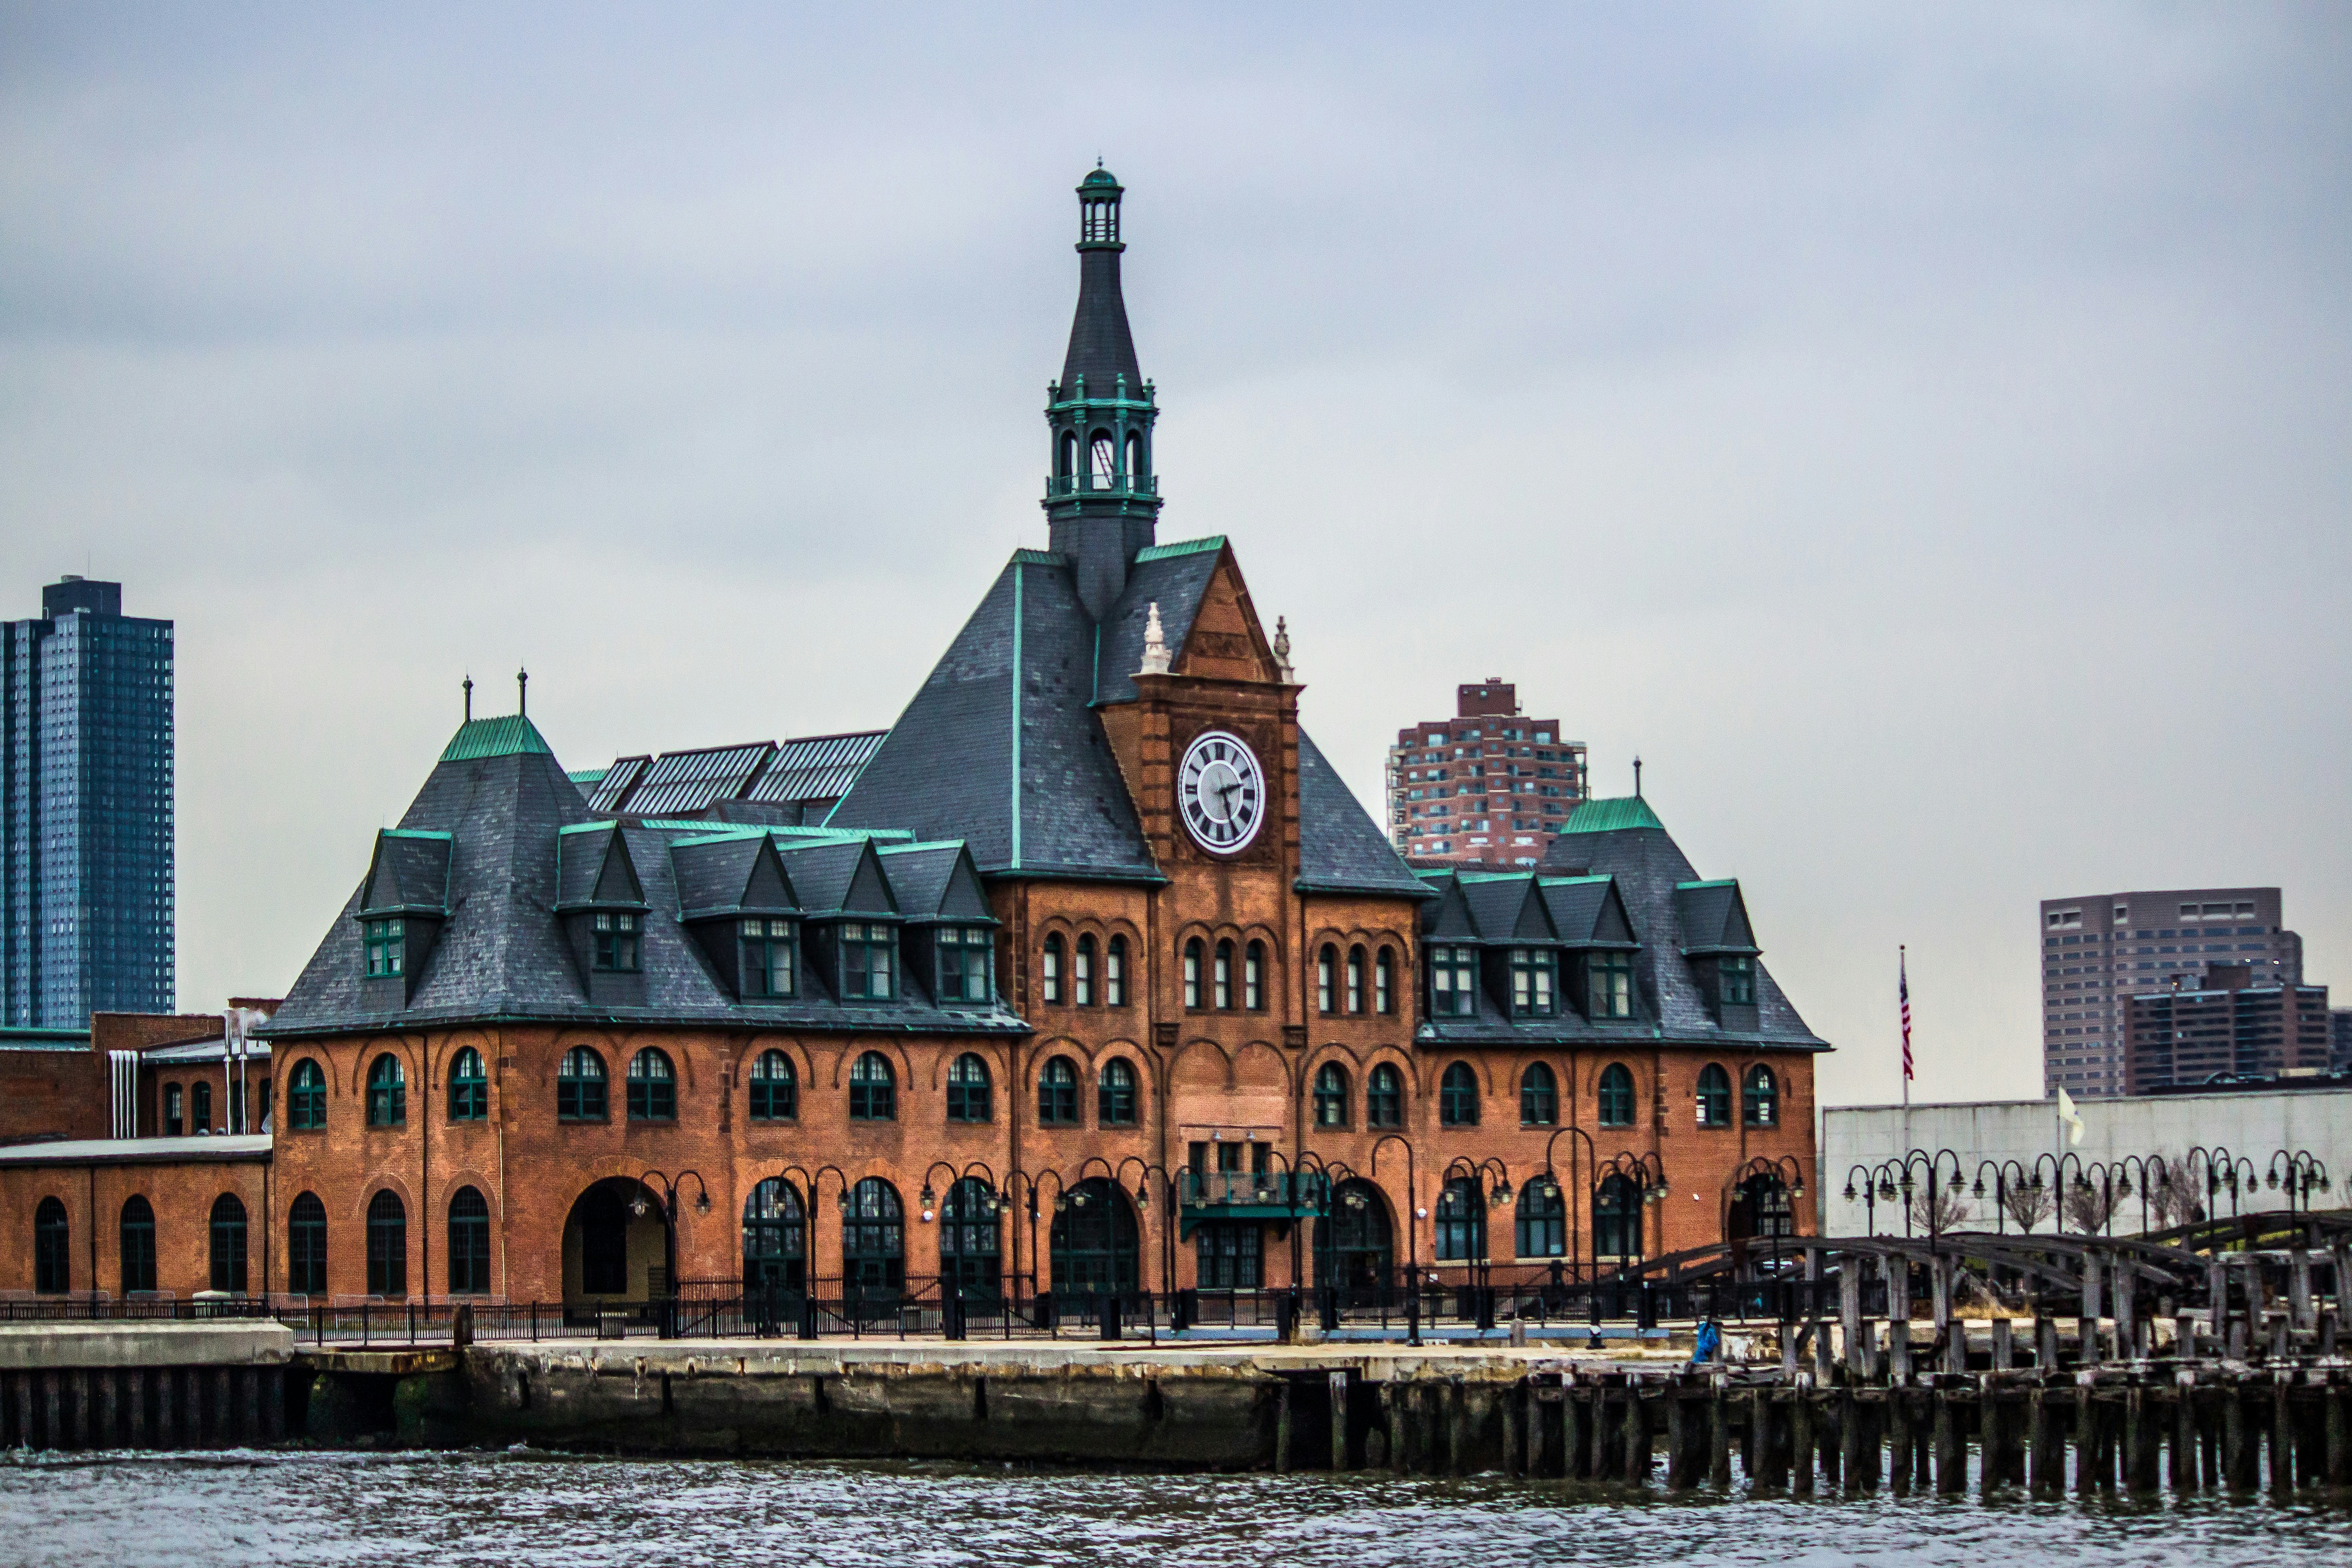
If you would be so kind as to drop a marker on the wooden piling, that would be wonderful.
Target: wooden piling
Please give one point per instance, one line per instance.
(2142, 1440)
(1639, 1448)
(1951, 1449)
(2339, 1419)
(2047, 1468)
(1574, 1434)
(1901, 1417)
(1993, 1438)
(1282, 1427)
(2238, 1458)
(1718, 1436)
(1800, 1442)
(2181, 1469)
(2282, 1439)
(1337, 1384)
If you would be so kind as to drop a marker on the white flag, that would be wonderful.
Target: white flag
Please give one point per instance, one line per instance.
(2073, 1118)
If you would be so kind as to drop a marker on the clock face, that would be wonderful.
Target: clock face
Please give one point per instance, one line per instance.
(1221, 791)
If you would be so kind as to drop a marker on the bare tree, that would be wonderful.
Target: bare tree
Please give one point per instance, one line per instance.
(2088, 1209)
(1937, 1208)
(2171, 1201)
(2028, 1205)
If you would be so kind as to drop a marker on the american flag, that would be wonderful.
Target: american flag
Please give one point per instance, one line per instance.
(1903, 989)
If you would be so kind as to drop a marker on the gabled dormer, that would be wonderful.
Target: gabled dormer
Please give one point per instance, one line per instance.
(403, 908)
(1449, 942)
(1597, 939)
(736, 902)
(1519, 959)
(602, 903)
(949, 933)
(1721, 947)
(850, 917)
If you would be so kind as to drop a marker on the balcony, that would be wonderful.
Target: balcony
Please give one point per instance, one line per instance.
(1114, 487)
(1243, 1194)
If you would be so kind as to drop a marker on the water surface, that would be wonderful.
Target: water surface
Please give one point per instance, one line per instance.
(452, 1509)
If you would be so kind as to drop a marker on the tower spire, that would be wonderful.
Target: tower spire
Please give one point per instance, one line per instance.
(1102, 498)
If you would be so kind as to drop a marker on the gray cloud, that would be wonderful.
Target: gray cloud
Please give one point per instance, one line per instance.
(1921, 433)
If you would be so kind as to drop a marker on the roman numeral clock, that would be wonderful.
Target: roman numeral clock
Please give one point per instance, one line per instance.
(1220, 791)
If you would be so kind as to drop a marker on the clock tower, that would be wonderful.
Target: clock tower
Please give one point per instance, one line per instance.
(1102, 496)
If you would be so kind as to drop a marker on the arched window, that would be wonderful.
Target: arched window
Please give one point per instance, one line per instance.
(1714, 1096)
(1082, 974)
(1616, 1096)
(1134, 455)
(306, 1247)
(387, 1244)
(775, 1088)
(775, 1238)
(1355, 980)
(1254, 977)
(1538, 1097)
(174, 1125)
(52, 1249)
(1327, 979)
(1539, 1227)
(138, 1246)
(228, 1244)
(1057, 1093)
(1115, 1099)
(387, 1093)
(1461, 1222)
(1049, 970)
(1224, 976)
(873, 1239)
(1617, 1220)
(1330, 1096)
(469, 1088)
(469, 1243)
(202, 1096)
(653, 1087)
(969, 1251)
(1385, 983)
(1066, 454)
(873, 1088)
(1115, 973)
(1192, 974)
(1761, 1209)
(306, 1097)
(968, 1090)
(1458, 1097)
(579, 1092)
(1384, 1100)
(1760, 1097)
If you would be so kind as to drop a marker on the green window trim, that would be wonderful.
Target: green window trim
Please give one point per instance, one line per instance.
(619, 937)
(387, 948)
(1533, 987)
(770, 959)
(1453, 981)
(868, 964)
(1609, 985)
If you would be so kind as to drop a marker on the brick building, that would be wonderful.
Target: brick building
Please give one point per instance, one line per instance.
(1489, 787)
(1096, 976)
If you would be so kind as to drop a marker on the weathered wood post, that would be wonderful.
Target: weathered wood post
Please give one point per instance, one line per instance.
(1852, 1473)
(1678, 1440)
(2142, 1432)
(1514, 1441)
(1639, 1446)
(2087, 1325)
(1539, 1419)
(1901, 1433)
(2299, 1290)
(2045, 1344)
(1282, 1427)
(2086, 1436)
(1392, 1417)
(1993, 1437)
(2338, 1419)
(1718, 1433)
(1857, 1354)
(1337, 1384)
(1458, 1434)
(1766, 1465)
(2238, 1460)
(1898, 1350)
(2004, 1348)
(2040, 1440)
(2126, 1312)
(2281, 1436)
(1801, 1441)
(1951, 1448)
(2183, 1466)
(1572, 1434)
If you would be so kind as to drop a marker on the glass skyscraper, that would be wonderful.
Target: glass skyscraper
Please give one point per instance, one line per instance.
(86, 812)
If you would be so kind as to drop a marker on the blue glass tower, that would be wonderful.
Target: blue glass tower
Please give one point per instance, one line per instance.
(86, 810)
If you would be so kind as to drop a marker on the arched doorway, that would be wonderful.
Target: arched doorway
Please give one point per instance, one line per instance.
(1617, 1223)
(1093, 1240)
(1354, 1246)
(615, 1246)
(1759, 1208)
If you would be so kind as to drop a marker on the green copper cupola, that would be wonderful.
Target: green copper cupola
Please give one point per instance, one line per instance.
(1102, 498)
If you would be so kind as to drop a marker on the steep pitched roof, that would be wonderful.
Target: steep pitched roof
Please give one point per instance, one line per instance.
(1340, 848)
(1001, 747)
(411, 873)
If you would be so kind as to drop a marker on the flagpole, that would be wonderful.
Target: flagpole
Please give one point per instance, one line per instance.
(1903, 970)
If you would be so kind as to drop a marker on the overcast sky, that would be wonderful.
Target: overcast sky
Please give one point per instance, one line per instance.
(1919, 431)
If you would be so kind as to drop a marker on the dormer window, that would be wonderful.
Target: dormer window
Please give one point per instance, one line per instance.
(964, 954)
(866, 962)
(1454, 982)
(1609, 985)
(385, 947)
(1735, 977)
(768, 958)
(617, 943)
(1531, 982)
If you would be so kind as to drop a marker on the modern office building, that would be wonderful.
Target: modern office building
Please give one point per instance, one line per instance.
(2340, 1040)
(86, 810)
(1489, 787)
(2100, 950)
(2230, 1026)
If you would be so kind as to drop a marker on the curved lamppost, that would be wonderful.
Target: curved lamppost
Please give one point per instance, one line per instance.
(1577, 1194)
(2007, 1176)
(2302, 1173)
(638, 1206)
(1462, 1167)
(1785, 1171)
(1877, 1183)
(1145, 1171)
(2223, 1171)
(1413, 1214)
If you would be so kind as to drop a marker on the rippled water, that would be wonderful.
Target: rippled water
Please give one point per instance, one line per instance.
(449, 1509)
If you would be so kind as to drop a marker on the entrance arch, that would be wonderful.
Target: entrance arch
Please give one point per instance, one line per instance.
(612, 1253)
(1093, 1240)
(1355, 1248)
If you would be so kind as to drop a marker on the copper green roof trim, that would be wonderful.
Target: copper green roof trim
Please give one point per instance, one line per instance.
(588, 775)
(1573, 881)
(1611, 816)
(1718, 881)
(508, 735)
(413, 833)
(1181, 547)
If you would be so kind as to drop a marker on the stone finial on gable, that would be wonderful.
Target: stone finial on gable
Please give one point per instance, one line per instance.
(1282, 650)
(1155, 645)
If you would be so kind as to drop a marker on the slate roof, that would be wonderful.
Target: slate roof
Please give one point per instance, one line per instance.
(1102, 346)
(759, 780)
(502, 953)
(1620, 880)
(1023, 772)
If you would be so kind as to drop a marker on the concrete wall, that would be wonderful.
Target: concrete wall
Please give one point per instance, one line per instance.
(2254, 1125)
